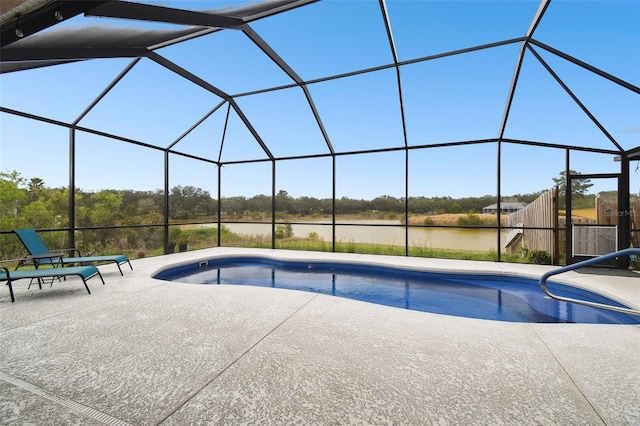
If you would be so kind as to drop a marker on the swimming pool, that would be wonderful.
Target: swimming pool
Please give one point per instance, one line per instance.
(483, 296)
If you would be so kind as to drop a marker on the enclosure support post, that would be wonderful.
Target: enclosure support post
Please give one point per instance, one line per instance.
(406, 202)
(624, 207)
(165, 228)
(498, 204)
(72, 186)
(219, 202)
(555, 222)
(273, 204)
(333, 204)
(567, 205)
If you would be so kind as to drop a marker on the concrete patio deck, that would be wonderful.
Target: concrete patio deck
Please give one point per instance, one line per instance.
(144, 352)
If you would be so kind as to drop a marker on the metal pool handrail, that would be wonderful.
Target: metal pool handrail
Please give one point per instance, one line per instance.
(588, 262)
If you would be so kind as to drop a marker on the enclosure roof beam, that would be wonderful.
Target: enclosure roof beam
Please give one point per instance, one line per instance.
(207, 115)
(7, 67)
(42, 18)
(70, 53)
(92, 131)
(284, 66)
(147, 12)
(268, 50)
(575, 98)
(187, 74)
(544, 4)
(634, 154)
(384, 67)
(588, 67)
(211, 88)
(394, 53)
(251, 129)
(106, 90)
(560, 146)
(542, 8)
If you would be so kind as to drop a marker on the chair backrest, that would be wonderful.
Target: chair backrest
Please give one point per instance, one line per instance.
(31, 241)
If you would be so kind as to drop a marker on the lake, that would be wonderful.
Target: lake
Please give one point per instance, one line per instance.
(392, 234)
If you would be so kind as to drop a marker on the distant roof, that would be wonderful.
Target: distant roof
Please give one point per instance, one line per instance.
(507, 205)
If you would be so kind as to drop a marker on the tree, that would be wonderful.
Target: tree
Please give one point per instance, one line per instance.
(388, 203)
(35, 184)
(188, 202)
(454, 207)
(284, 231)
(12, 197)
(283, 201)
(578, 186)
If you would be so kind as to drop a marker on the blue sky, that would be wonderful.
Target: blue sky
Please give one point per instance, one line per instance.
(457, 98)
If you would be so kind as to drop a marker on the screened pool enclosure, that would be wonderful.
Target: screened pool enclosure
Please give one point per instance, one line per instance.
(360, 126)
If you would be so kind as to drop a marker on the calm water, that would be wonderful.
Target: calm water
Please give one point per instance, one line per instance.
(467, 239)
(491, 297)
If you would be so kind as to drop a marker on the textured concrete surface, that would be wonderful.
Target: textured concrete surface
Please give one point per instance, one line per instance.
(143, 351)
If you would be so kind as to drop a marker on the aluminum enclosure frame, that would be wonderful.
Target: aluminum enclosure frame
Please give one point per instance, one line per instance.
(30, 51)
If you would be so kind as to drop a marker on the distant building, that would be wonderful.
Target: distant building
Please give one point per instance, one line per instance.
(506, 207)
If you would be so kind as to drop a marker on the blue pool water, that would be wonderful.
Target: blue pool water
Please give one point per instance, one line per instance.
(493, 297)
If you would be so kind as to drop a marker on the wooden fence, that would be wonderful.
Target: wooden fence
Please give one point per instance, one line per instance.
(607, 213)
(587, 240)
(541, 213)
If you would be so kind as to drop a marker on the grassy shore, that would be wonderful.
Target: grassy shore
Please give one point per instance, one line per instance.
(308, 244)
(445, 219)
(311, 243)
(454, 219)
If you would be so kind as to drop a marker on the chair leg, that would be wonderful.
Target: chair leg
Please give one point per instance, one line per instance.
(13, 299)
(39, 280)
(85, 285)
(121, 269)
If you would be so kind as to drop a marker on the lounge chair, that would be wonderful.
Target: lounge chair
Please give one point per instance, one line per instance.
(84, 272)
(39, 253)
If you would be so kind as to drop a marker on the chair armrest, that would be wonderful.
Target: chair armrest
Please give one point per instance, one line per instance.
(6, 269)
(55, 257)
(50, 255)
(70, 251)
(9, 261)
(6, 272)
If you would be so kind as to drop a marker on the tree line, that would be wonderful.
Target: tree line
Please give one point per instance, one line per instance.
(30, 203)
(113, 221)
